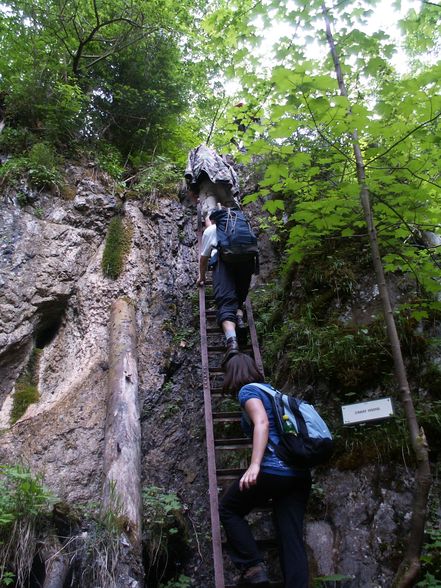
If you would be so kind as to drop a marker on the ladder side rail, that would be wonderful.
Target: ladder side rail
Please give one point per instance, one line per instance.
(253, 336)
(209, 432)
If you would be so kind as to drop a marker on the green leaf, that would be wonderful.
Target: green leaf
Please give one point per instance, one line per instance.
(273, 205)
(284, 128)
(250, 198)
(347, 232)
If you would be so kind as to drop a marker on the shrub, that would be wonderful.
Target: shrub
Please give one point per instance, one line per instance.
(160, 176)
(181, 582)
(341, 355)
(431, 556)
(109, 160)
(100, 549)
(166, 535)
(12, 170)
(64, 114)
(39, 166)
(15, 140)
(43, 167)
(25, 504)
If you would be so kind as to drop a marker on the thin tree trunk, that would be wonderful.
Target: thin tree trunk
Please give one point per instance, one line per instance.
(122, 442)
(410, 566)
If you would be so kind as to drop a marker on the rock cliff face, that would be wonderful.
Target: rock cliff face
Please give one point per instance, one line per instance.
(54, 296)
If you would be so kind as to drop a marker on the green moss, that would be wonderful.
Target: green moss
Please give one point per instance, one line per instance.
(24, 395)
(118, 241)
(343, 356)
(380, 443)
(26, 388)
(304, 341)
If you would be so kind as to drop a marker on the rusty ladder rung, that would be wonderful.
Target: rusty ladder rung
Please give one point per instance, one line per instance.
(236, 472)
(221, 348)
(232, 443)
(271, 584)
(227, 416)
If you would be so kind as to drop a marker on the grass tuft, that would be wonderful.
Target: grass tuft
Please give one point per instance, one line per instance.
(26, 388)
(25, 505)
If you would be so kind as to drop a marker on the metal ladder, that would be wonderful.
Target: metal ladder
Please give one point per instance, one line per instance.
(212, 374)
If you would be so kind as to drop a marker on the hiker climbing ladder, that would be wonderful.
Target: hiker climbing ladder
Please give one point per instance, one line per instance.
(220, 420)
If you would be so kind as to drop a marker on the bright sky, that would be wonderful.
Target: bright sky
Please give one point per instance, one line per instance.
(385, 17)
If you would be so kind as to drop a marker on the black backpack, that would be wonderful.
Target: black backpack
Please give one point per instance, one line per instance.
(305, 440)
(236, 242)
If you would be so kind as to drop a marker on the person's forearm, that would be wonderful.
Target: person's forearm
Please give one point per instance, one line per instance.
(203, 266)
(260, 440)
(257, 414)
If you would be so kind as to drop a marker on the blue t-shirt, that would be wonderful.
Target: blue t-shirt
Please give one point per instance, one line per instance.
(271, 464)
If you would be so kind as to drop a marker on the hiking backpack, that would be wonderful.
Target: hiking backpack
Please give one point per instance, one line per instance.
(309, 443)
(236, 242)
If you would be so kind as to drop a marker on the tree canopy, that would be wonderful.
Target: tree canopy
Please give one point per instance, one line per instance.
(297, 125)
(89, 71)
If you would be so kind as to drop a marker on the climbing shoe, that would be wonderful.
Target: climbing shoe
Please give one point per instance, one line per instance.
(253, 576)
(241, 330)
(232, 349)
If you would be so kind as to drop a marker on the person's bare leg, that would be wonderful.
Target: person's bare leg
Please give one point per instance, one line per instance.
(229, 329)
(208, 204)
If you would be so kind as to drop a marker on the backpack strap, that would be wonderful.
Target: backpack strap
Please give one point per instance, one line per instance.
(279, 409)
(294, 405)
(277, 403)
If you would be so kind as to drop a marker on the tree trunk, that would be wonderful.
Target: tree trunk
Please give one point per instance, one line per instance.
(122, 442)
(56, 563)
(410, 566)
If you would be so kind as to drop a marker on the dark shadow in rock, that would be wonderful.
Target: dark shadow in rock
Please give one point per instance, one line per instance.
(11, 363)
(50, 319)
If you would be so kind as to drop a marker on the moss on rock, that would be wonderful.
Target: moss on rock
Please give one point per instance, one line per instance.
(26, 388)
(118, 241)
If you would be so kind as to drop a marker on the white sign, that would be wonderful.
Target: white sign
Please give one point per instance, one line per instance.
(367, 411)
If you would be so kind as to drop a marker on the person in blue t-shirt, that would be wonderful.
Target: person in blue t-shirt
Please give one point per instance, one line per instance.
(267, 478)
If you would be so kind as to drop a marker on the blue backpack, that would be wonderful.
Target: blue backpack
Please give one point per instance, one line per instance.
(236, 242)
(305, 440)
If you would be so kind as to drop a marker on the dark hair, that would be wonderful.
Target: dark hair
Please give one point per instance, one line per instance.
(240, 370)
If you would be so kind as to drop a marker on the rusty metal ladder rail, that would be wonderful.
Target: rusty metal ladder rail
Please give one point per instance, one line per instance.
(253, 336)
(219, 581)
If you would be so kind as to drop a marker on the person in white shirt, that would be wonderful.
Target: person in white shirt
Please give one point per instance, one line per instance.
(230, 286)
